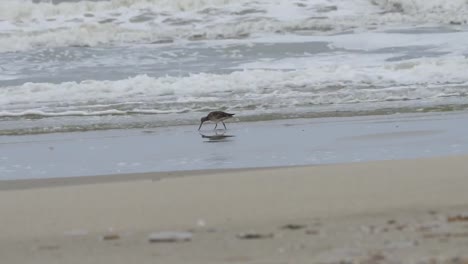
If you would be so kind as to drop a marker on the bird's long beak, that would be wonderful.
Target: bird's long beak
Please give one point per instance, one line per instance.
(201, 123)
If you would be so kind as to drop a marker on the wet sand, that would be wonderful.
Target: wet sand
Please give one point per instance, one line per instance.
(249, 145)
(369, 212)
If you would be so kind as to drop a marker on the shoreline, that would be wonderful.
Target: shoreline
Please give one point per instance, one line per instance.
(399, 210)
(145, 121)
(24, 184)
(244, 145)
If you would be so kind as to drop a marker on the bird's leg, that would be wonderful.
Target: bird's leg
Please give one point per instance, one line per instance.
(224, 125)
(216, 126)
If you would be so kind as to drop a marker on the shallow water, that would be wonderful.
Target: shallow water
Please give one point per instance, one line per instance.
(243, 145)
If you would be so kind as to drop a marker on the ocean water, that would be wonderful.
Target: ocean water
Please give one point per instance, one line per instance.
(90, 65)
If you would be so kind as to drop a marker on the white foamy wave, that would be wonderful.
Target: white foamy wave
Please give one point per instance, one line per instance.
(25, 25)
(64, 113)
(374, 70)
(256, 88)
(428, 7)
(87, 113)
(15, 10)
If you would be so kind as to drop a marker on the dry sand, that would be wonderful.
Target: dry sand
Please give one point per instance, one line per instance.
(377, 212)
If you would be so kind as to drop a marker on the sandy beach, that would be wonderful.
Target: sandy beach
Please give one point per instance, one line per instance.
(401, 211)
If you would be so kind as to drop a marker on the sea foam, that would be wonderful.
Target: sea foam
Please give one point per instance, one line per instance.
(316, 83)
(25, 25)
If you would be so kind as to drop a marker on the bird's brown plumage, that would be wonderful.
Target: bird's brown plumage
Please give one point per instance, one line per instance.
(216, 117)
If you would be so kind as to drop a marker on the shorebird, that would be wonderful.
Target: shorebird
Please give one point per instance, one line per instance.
(216, 117)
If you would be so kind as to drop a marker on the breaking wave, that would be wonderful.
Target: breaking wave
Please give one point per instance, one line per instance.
(251, 89)
(26, 24)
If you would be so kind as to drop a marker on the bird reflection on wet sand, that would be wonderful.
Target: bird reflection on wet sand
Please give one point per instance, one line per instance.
(219, 136)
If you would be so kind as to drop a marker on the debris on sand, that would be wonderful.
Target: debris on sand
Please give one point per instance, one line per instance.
(170, 237)
(458, 218)
(111, 236)
(312, 232)
(293, 227)
(253, 235)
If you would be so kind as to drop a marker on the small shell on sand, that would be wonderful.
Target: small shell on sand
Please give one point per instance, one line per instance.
(458, 218)
(169, 236)
(293, 227)
(312, 232)
(110, 236)
(254, 236)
